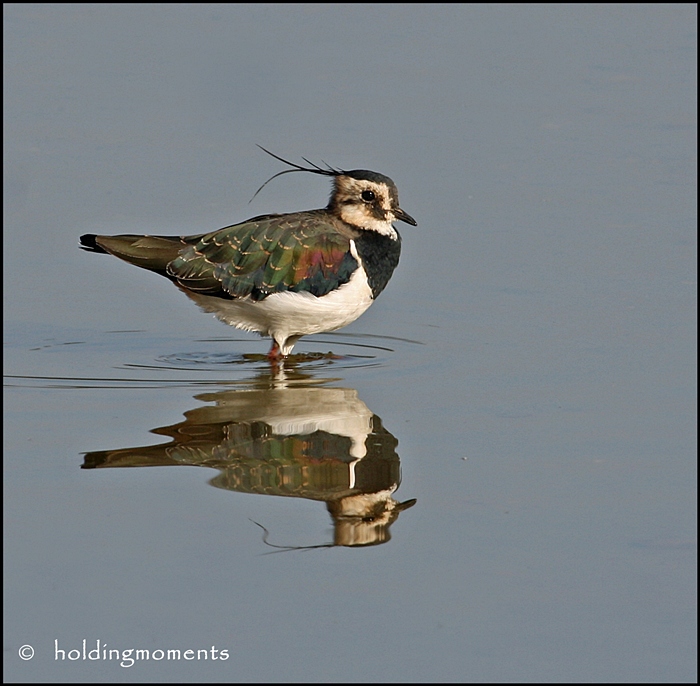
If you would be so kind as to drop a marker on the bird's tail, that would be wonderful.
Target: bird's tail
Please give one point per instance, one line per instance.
(149, 252)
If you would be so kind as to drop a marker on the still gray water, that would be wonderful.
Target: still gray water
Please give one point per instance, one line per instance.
(492, 475)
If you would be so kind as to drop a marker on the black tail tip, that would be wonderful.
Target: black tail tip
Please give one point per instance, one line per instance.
(88, 242)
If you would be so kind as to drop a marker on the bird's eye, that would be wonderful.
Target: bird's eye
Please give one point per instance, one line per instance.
(368, 196)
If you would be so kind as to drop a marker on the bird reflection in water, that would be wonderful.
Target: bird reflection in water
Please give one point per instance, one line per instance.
(285, 440)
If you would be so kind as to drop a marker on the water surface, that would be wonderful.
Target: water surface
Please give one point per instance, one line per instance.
(490, 478)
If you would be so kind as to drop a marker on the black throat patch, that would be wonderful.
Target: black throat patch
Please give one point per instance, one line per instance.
(379, 255)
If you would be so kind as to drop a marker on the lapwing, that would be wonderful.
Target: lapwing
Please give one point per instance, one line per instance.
(284, 275)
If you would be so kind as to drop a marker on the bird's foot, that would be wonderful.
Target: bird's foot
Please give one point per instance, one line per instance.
(275, 355)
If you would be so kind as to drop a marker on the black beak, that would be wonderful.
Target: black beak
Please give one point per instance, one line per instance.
(402, 216)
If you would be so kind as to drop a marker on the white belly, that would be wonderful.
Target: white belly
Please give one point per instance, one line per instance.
(289, 315)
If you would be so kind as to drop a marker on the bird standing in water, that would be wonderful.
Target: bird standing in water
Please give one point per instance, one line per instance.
(284, 275)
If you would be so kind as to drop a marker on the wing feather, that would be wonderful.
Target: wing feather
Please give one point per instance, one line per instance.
(265, 255)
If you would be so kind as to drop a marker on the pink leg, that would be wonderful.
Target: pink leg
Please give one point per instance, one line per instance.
(275, 354)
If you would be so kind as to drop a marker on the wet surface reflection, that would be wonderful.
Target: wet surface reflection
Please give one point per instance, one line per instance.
(292, 430)
(282, 433)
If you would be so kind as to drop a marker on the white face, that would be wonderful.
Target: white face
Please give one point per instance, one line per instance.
(366, 204)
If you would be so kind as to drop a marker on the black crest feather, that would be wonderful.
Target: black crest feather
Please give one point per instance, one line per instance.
(312, 169)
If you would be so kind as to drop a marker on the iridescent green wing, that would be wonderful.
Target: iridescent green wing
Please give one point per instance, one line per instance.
(270, 254)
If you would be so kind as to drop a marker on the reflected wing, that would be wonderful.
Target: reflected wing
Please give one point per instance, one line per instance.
(297, 252)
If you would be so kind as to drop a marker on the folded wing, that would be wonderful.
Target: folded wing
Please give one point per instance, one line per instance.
(266, 255)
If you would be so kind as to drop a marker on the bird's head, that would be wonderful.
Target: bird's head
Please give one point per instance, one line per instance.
(362, 198)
